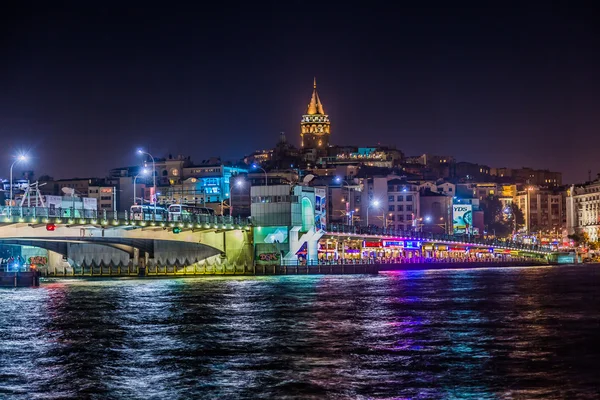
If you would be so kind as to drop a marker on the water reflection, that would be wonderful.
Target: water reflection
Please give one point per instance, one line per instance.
(509, 333)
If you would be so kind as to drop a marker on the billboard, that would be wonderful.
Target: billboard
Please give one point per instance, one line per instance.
(271, 234)
(54, 204)
(90, 203)
(462, 218)
(320, 208)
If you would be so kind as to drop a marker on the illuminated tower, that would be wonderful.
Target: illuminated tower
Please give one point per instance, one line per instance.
(315, 125)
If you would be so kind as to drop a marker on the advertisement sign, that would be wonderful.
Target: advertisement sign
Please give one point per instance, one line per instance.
(54, 204)
(368, 243)
(320, 208)
(267, 257)
(90, 203)
(412, 245)
(38, 260)
(271, 234)
(462, 218)
(393, 243)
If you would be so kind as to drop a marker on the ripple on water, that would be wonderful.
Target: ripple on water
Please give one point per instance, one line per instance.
(476, 334)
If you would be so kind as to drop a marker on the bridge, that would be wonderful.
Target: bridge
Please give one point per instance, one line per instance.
(84, 242)
(87, 240)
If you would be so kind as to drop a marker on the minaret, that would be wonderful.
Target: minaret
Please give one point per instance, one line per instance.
(315, 125)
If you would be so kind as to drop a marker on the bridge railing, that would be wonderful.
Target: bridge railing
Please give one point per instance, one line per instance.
(395, 261)
(428, 236)
(74, 215)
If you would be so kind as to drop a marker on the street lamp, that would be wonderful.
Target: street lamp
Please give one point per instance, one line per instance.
(223, 205)
(343, 181)
(239, 183)
(256, 166)
(20, 158)
(143, 172)
(154, 196)
(374, 204)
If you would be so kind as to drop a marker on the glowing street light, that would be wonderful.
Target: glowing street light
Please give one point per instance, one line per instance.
(154, 197)
(374, 204)
(256, 166)
(143, 172)
(20, 158)
(338, 179)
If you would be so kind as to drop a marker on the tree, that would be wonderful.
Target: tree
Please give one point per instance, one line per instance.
(494, 218)
(516, 214)
(580, 238)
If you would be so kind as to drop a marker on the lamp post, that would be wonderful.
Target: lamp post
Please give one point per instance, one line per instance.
(142, 173)
(20, 158)
(223, 206)
(154, 196)
(239, 183)
(256, 166)
(343, 181)
(374, 204)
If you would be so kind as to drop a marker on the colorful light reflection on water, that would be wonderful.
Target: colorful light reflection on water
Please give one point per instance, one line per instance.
(488, 333)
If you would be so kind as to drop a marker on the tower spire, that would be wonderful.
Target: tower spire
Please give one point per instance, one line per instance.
(315, 125)
(315, 106)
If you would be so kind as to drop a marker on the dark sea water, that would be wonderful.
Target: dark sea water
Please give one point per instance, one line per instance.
(515, 333)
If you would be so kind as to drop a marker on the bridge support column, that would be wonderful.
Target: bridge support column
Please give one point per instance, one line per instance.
(136, 256)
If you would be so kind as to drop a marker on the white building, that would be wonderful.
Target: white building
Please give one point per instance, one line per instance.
(106, 197)
(583, 209)
(389, 201)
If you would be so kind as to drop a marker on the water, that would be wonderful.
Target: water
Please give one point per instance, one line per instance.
(518, 333)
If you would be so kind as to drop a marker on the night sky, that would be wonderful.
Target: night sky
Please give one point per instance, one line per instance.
(82, 86)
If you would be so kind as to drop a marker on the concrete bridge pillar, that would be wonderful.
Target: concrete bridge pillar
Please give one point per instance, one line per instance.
(136, 256)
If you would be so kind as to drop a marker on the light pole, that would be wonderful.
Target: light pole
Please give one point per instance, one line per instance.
(256, 166)
(223, 206)
(342, 181)
(154, 195)
(142, 173)
(20, 158)
(239, 183)
(374, 204)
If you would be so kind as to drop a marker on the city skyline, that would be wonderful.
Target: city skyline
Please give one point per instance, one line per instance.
(508, 97)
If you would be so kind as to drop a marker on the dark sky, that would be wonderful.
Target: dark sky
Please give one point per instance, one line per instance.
(82, 86)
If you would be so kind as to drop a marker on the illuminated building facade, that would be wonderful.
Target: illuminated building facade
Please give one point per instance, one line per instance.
(543, 209)
(583, 209)
(315, 125)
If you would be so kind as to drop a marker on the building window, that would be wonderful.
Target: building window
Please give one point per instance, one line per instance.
(391, 208)
(408, 198)
(409, 207)
(390, 199)
(400, 208)
(400, 198)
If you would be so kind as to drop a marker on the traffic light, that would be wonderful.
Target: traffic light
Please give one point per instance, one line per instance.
(176, 229)
(50, 227)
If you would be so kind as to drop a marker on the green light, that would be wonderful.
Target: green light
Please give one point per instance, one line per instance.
(176, 229)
